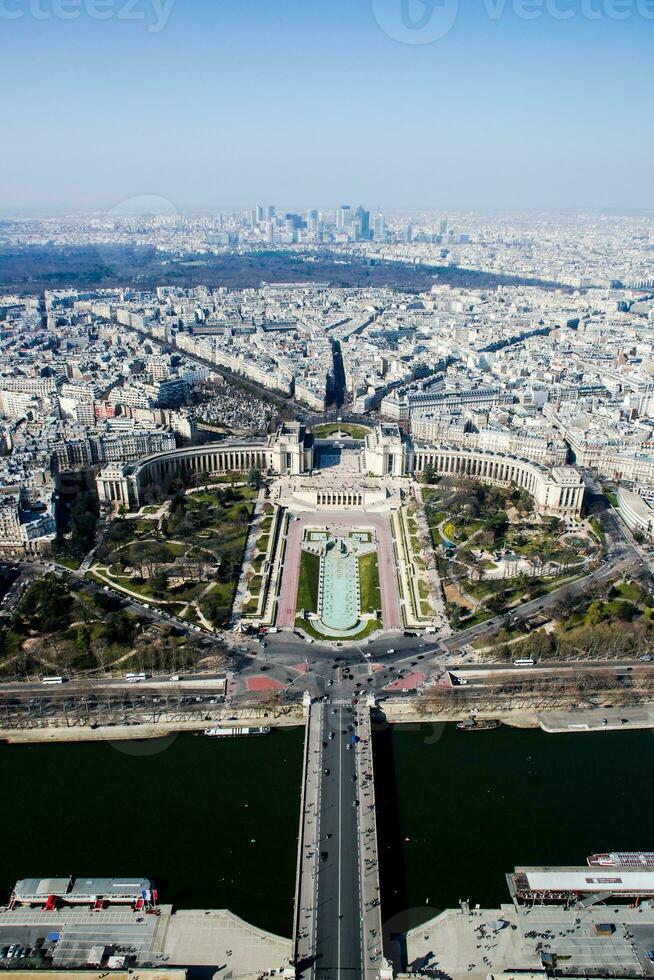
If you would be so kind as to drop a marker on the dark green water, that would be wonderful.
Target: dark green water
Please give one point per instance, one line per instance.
(475, 805)
(212, 821)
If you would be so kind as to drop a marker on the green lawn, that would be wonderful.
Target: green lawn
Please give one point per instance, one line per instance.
(611, 497)
(450, 532)
(307, 592)
(369, 582)
(330, 429)
(630, 591)
(210, 523)
(72, 563)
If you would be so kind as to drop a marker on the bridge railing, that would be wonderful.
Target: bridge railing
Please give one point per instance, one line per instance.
(297, 917)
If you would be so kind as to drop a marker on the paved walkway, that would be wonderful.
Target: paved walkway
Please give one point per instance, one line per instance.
(487, 942)
(220, 938)
(241, 593)
(337, 520)
(453, 945)
(371, 921)
(597, 719)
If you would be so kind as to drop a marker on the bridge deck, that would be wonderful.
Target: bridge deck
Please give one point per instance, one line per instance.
(338, 913)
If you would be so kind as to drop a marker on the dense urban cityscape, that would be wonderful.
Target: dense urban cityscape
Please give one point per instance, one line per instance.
(326, 490)
(337, 505)
(549, 374)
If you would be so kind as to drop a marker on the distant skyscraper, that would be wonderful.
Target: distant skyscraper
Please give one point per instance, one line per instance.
(380, 226)
(443, 227)
(259, 212)
(363, 217)
(270, 211)
(344, 216)
(312, 221)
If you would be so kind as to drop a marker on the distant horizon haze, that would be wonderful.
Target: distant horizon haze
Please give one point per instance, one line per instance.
(199, 211)
(406, 104)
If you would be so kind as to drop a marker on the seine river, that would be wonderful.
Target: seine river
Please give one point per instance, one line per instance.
(458, 810)
(214, 821)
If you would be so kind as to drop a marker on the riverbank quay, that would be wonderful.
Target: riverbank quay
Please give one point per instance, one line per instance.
(219, 937)
(391, 711)
(290, 716)
(601, 719)
(153, 944)
(127, 974)
(605, 940)
(412, 711)
(555, 721)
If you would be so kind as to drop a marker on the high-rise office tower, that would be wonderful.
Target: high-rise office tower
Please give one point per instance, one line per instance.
(295, 219)
(344, 216)
(363, 217)
(259, 212)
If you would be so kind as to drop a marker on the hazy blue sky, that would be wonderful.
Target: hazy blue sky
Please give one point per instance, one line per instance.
(305, 102)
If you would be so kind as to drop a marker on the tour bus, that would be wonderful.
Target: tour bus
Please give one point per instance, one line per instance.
(134, 678)
(524, 662)
(52, 680)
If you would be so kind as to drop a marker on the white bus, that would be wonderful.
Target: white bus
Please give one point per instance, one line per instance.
(52, 680)
(135, 678)
(524, 662)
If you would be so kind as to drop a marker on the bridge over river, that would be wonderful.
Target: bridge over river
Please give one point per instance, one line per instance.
(338, 928)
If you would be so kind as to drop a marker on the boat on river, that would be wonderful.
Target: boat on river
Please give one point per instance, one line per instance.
(233, 732)
(478, 724)
(622, 859)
